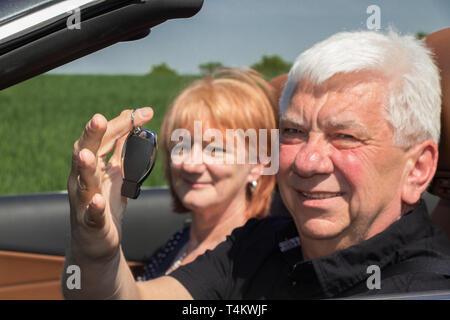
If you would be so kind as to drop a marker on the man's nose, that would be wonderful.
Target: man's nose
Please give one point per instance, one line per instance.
(313, 158)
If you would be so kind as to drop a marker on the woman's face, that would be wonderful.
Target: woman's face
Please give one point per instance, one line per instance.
(204, 184)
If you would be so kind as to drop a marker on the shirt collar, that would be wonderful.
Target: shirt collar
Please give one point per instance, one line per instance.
(344, 269)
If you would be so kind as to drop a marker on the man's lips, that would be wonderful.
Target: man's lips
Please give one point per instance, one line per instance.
(319, 195)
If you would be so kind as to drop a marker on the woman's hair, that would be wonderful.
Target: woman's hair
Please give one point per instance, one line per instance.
(414, 98)
(225, 99)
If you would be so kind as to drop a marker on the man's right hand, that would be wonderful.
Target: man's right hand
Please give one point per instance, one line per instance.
(94, 186)
(96, 209)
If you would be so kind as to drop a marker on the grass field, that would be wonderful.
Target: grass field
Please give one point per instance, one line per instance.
(41, 119)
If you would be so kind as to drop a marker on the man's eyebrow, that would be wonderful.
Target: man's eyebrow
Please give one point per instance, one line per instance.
(347, 124)
(287, 120)
(330, 123)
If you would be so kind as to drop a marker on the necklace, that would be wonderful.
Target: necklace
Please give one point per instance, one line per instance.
(177, 262)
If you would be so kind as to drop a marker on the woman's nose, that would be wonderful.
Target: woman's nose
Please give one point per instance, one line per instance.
(194, 163)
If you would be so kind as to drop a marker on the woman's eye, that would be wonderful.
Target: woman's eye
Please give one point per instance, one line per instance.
(214, 150)
(219, 150)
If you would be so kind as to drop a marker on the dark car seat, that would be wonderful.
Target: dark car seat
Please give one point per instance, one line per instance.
(439, 43)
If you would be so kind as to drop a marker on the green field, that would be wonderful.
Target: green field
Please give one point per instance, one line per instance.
(41, 119)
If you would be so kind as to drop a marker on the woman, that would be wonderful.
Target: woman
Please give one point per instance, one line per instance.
(220, 196)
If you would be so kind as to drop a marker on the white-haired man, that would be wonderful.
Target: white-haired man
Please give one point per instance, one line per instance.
(359, 131)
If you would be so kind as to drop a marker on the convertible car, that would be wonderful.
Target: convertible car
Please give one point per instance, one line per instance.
(34, 229)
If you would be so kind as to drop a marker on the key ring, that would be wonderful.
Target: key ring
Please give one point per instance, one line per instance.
(132, 120)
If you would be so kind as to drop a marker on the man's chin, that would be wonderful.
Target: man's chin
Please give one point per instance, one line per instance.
(316, 229)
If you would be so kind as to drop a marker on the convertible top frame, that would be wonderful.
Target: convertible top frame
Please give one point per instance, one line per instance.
(102, 25)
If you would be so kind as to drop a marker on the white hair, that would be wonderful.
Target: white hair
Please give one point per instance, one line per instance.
(414, 104)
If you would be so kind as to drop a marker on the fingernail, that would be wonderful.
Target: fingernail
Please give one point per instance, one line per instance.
(92, 125)
(96, 200)
(82, 156)
(145, 112)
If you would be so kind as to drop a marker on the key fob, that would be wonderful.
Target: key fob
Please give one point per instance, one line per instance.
(138, 158)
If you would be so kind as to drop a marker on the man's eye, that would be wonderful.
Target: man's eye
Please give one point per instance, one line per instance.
(345, 141)
(292, 131)
(293, 135)
(344, 136)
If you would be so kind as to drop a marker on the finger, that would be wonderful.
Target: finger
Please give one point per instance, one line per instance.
(116, 158)
(93, 133)
(90, 139)
(95, 213)
(88, 181)
(121, 126)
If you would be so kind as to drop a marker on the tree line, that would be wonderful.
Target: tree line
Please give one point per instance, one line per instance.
(269, 65)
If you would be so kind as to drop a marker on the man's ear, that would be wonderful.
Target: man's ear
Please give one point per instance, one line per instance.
(421, 167)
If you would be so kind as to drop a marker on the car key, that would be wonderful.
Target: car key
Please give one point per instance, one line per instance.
(138, 158)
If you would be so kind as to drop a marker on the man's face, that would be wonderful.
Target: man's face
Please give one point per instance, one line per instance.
(340, 175)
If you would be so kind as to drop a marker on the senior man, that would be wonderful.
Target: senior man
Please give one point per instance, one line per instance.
(359, 134)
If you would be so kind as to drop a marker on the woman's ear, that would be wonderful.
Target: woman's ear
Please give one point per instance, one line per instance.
(422, 164)
(255, 172)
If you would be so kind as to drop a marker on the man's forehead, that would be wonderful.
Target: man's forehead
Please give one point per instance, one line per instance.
(341, 91)
(353, 83)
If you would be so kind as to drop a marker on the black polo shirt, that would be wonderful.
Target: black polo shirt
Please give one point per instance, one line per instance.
(263, 260)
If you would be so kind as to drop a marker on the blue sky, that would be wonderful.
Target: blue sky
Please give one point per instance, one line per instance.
(239, 32)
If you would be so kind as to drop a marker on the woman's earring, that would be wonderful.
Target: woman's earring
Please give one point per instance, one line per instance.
(253, 185)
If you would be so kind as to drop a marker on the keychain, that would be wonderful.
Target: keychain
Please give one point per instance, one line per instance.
(138, 158)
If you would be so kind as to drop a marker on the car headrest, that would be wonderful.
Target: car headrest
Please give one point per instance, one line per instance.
(278, 84)
(439, 43)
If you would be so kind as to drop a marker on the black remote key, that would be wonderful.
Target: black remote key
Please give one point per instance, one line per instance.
(138, 158)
